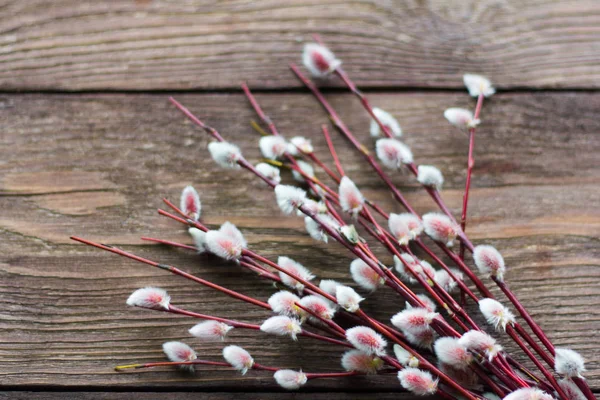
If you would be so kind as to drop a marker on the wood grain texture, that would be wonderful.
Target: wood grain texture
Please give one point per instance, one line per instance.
(98, 165)
(208, 44)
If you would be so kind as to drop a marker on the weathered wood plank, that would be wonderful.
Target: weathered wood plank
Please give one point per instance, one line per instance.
(97, 166)
(82, 45)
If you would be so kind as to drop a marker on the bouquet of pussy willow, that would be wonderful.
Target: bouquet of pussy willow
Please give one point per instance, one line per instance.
(432, 346)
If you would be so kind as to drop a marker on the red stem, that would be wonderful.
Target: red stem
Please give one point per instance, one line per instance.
(169, 243)
(195, 120)
(260, 271)
(363, 99)
(253, 267)
(470, 164)
(334, 213)
(490, 382)
(536, 380)
(324, 167)
(249, 263)
(533, 344)
(175, 271)
(336, 160)
(336, 328)
(264, 117)
(316, 375)
(585, 389)
(261, 367)
(325, 339)
(235, 324)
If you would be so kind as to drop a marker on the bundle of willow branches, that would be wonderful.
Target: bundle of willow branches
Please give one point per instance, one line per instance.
(433, 345)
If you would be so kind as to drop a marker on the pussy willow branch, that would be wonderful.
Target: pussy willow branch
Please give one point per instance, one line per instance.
(174, 271)
(448, 298)
(309, 287)
(246, 165)
(460, 311)
(337, 332)
(177, 310)
(445, 328)
(241, 163)
(364, 213)
(381, 271)
(255, 366)
(332, 151)
(261, 114)
(198, 225)
(465, 243)
(339, 71)
(396, 193)
(455, 308)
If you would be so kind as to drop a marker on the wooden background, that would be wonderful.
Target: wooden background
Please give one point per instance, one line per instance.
(90, 145)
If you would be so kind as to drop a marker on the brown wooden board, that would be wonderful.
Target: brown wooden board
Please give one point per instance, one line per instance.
(97, 165)
(202, 44)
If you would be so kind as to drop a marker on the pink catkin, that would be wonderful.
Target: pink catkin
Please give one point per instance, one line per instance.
(317, 305)
(417, 381)
(190, 203)
(366, 339)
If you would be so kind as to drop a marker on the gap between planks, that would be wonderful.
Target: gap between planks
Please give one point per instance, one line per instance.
(325, 89)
